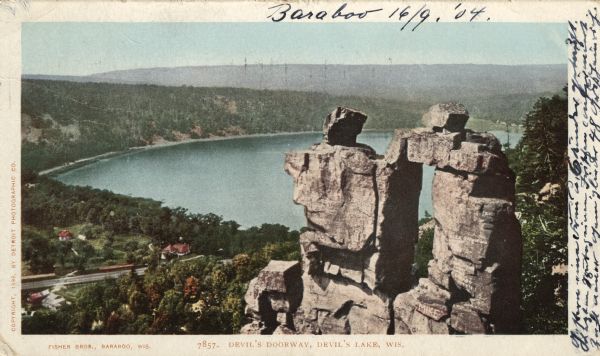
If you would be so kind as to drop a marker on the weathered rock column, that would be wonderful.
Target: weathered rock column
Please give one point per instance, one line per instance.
(362, 213)
(272, 297)
(474, 277)
(362, 216)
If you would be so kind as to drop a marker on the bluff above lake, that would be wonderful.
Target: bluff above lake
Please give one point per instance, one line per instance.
(357, 252)
(64, 121)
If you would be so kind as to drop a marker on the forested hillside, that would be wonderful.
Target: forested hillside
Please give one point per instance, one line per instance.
(65, 121)
(201, 293)
(205, 294)
(103, 216)
(540, 162)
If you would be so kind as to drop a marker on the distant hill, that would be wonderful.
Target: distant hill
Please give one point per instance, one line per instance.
(64, 121)
(67, 118)
(424, 83)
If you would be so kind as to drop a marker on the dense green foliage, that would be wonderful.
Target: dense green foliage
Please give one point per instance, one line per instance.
(541, 158)
(48, 204)
(503, 108)
(199, 296)
(161, 300)
(66, 121)
(423, 253)
(423, 247)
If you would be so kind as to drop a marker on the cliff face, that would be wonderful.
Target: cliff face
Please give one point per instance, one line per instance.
(362, 213)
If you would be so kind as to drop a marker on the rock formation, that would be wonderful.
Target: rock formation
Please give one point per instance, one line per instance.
(362, 212)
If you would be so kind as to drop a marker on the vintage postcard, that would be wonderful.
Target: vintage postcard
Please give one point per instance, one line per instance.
(303, 178)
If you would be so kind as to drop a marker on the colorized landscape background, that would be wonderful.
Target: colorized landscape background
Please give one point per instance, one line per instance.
(98, 89)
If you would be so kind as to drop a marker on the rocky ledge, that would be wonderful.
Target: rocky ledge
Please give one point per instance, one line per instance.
(355, 276)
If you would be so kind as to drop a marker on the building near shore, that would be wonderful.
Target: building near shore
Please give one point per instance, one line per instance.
(65, 235)
(178, 250)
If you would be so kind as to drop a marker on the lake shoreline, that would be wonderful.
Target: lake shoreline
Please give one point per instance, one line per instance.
(89, 160)
(241, 180)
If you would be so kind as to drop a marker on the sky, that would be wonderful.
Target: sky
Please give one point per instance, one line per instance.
(70, 48)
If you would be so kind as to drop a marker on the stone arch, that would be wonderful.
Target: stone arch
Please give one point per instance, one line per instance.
(473, 284)
(362, 214)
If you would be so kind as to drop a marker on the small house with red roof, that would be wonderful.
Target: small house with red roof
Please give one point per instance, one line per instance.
(65, 235)
(36, 298)
(178, 249)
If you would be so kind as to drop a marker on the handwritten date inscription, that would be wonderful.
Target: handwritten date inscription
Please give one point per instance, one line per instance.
(408, 15)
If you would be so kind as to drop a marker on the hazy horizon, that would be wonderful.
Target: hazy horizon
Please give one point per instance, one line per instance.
(81, 49)
(298, 64)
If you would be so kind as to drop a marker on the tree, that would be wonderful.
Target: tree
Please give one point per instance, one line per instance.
(423, 253)
(37, 249)
(107, 252)
(141, 325)
(62, 249)
(169, 313)
(190, 288)
(540, 158)
(42, 322)
(138, 302)
(113, 323)
(241, 265)
(541, 155)
(233, 306)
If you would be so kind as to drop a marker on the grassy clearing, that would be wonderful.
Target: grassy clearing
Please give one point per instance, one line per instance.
(106, 249)
(25, 270)
(487, 125)
(71, 292)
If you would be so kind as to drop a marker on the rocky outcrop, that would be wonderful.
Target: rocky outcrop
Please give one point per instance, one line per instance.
(446, 116)
(342, 126)
(273, 296)
(477, 241)
(358, 249)
(361, 210)
(336, 185)
(333, 305)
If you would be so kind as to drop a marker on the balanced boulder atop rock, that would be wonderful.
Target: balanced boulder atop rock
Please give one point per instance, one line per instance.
(450, 116)
(362, 225)
(342, 126)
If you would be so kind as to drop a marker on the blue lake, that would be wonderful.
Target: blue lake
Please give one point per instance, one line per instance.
(240, 179)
